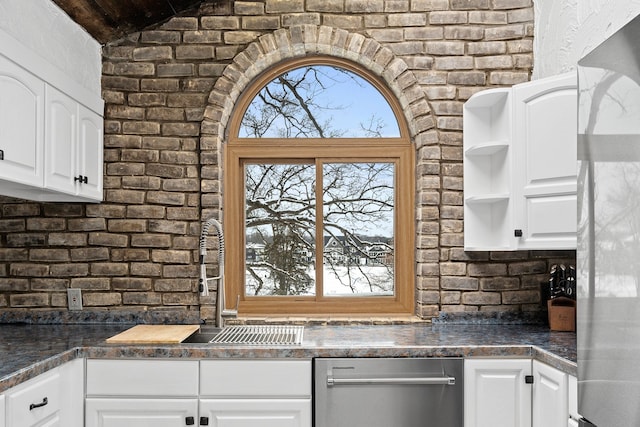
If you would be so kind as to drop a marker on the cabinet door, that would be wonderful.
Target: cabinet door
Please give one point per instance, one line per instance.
(496, 394)
(131, 412)
(257, 412)
(36, 402)
(90, 153)
(60, 141)
(73, 149)
(545, 140)
(2, 416)
(550, 402)
(21, 124)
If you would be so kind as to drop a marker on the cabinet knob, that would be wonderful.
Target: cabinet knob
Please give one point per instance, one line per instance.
(190, 421)
(204, 421)
(517, 233)
(83, 179)
(1, 154)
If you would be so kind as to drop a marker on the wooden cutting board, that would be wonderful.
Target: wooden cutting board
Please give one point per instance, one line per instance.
(154, 334)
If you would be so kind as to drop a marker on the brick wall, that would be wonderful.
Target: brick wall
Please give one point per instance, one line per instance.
(169, 94)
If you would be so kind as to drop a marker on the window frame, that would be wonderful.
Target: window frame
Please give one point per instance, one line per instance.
(399, 150)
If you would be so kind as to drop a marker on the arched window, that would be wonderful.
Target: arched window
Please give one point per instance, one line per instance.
(319, 191)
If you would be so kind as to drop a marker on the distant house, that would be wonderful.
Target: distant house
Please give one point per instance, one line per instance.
(254, 252)
(352, 250)
(380, 253)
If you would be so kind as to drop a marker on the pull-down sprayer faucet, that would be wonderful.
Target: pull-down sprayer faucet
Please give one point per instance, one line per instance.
(221, 312)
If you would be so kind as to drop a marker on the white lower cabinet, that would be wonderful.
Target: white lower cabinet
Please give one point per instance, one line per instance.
(256, 393)
(53, 398)
(220, 393)
(518, 393)
(574, 416)
(72, 378)
(2, 410)
(550, 396)
(496, 393)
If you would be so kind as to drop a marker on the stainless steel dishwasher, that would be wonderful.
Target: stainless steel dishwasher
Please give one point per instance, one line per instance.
(388, 392)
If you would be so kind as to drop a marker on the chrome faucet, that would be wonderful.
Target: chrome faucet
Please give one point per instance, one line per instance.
(203, 283)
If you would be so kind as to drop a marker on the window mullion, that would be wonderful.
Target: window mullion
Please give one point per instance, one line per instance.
(319, 231)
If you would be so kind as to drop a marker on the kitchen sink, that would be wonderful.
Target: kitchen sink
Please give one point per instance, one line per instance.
(249, 335)
(204, 335)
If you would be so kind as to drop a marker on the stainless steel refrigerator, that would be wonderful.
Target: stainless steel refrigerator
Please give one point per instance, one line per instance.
(608, 265)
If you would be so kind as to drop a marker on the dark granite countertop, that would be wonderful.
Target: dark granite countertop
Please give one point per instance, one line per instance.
(29, 350)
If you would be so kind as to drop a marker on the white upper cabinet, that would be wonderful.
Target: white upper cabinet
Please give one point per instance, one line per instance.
(520, 166)
(21, 124)
(545, 132)
(61, 131)
(488, 198)
(90, 153)
(51, 131)
(73, 159)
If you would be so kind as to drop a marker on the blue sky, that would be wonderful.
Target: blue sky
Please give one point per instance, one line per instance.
(347, 100)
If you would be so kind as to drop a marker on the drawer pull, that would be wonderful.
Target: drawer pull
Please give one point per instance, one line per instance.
(38, 405)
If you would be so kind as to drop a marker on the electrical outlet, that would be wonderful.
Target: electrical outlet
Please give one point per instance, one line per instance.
(74, 298)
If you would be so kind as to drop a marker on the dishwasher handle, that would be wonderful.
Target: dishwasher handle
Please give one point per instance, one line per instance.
(331, 381)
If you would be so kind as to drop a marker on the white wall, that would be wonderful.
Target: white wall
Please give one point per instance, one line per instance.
(566, 30)
(49, 32)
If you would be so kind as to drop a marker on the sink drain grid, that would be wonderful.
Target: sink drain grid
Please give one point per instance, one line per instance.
(260, 335)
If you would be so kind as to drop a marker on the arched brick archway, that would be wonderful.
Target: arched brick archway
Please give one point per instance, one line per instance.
(301, 41)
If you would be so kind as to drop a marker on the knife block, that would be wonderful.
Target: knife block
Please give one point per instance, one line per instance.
(562, 314)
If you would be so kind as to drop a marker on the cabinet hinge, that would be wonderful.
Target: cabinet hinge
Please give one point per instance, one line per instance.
(528, 379)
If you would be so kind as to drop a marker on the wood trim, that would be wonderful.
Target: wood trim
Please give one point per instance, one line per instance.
(397, 150)
(247, 96)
